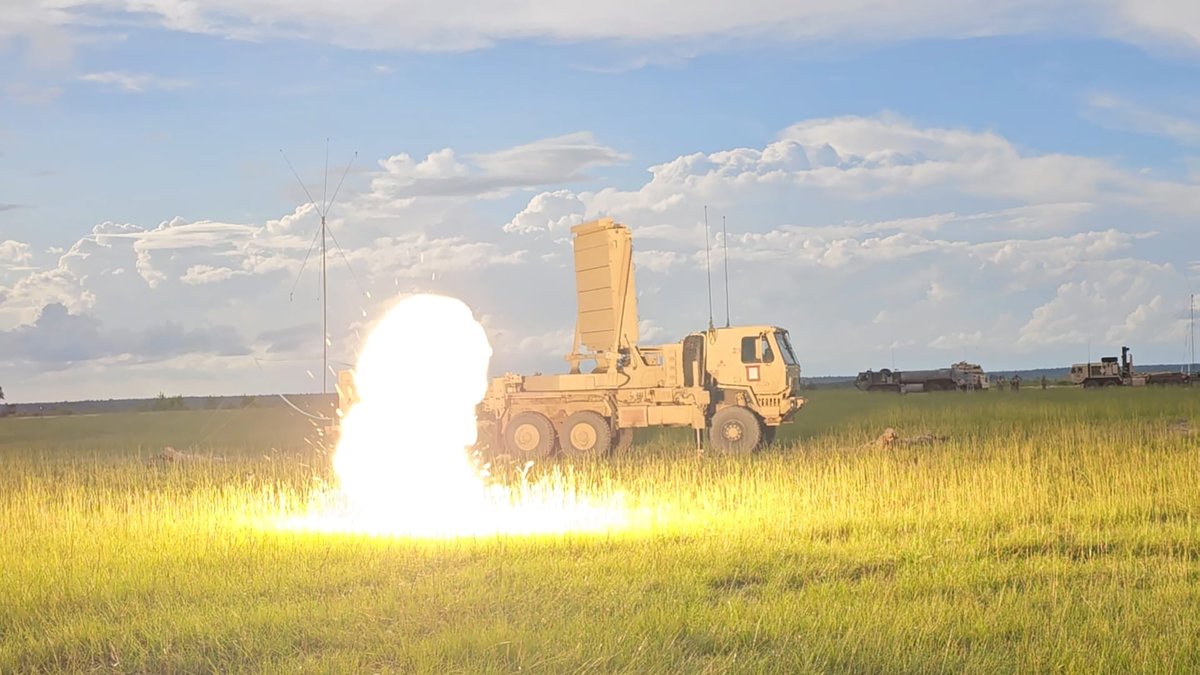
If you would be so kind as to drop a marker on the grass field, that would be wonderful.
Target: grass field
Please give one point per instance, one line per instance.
(1052, 531)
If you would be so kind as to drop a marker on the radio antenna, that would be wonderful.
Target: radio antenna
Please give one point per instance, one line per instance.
(323, 232)
(725, 254)
(708, 268)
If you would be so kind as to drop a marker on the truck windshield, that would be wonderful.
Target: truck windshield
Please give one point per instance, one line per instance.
(785, 348)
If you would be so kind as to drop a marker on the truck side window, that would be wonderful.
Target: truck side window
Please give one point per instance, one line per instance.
(768, 356)
(749, 350)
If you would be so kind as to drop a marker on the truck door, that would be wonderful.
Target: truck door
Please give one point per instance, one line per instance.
(693, 360)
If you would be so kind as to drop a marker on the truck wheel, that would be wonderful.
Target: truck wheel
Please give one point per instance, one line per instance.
(529, 435)
(586, 434)
(734, 430)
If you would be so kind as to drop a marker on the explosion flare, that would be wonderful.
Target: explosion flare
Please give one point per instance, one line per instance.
(402, 463)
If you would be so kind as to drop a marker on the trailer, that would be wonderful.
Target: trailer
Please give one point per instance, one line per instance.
(961, 376)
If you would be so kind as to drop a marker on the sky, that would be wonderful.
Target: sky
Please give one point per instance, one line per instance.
(1015, 183)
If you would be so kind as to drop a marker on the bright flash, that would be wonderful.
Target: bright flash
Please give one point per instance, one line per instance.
(402, 462)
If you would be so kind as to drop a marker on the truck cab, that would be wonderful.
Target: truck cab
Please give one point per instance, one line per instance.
(751, 366)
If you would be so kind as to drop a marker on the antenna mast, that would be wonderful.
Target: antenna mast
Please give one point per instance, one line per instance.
(725, 254)
(323, 232)
(708, 268)
(324, 315)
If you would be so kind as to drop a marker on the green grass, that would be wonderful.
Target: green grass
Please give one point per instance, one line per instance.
(1053, 530)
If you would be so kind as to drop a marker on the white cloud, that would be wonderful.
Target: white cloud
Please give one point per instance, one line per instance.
(207, 274)
(470, 24)
(1119, 113)
(803, 253)
(861, 235)
(134, 83)
(1125, 304)
(547, 212)
(15, 252)
(548, 161)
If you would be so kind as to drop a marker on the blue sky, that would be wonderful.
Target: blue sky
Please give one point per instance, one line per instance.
(999, 184)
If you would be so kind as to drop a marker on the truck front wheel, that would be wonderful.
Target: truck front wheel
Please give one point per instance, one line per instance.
(586, 434)
(529, 435)
(735, 430)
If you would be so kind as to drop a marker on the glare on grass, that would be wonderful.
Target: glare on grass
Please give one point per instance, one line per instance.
(402, 462)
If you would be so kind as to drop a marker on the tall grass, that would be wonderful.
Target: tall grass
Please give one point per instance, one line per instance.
(1055, 530)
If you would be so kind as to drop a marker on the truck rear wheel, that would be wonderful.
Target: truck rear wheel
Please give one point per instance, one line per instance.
(529, 435)
(734, 430)
(586, 434)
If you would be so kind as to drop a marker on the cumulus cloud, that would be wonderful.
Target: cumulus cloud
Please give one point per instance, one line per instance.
(861, 235)
(546, 212)
(15, 252)
(976, 282)
(1125, 304)
(207, 274)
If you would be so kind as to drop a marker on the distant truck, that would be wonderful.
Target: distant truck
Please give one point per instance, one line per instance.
(961, 376)
(1114, 372)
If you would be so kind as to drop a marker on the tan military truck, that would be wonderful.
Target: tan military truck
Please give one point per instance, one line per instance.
(1113, 373)
(737, 383)
(1108, 373)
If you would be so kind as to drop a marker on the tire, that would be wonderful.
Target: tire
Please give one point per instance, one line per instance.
(734, 431)
(529, 435)
(586, 434)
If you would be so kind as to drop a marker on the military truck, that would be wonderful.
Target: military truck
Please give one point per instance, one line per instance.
(1111, 372)
(961, 376)
(738, 384)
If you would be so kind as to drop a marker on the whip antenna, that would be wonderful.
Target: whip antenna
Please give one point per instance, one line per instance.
(725, 254)
(708, 268)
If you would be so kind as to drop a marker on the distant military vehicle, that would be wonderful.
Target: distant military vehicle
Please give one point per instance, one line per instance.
(1114, 372)
(739, 383)
(961, 376)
